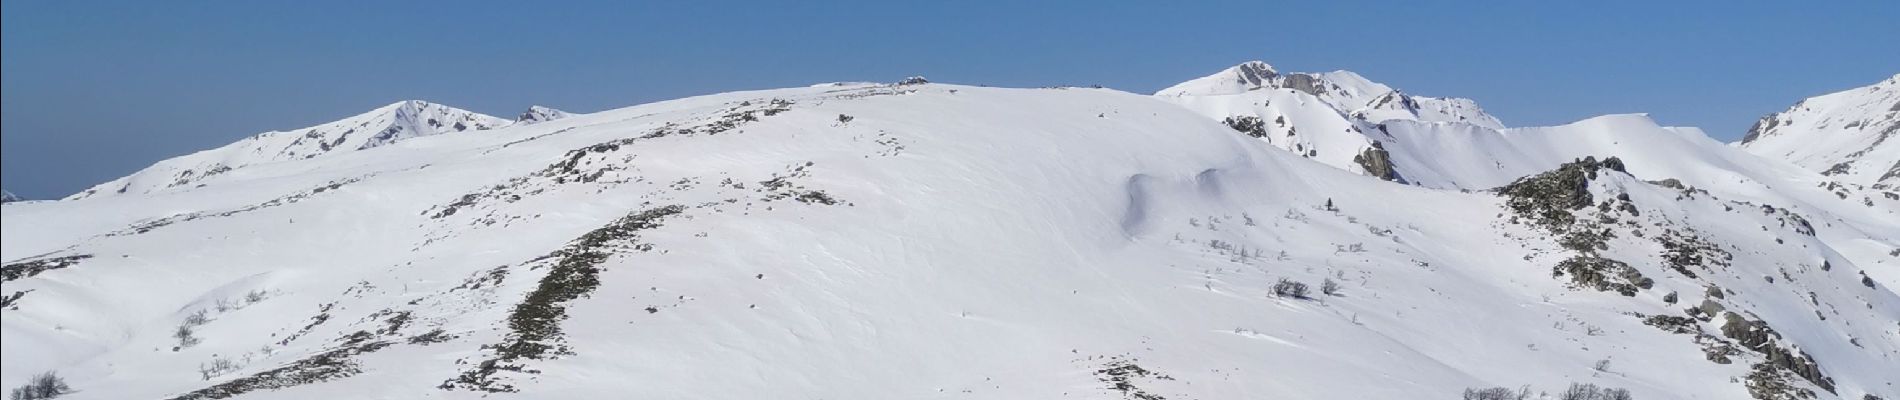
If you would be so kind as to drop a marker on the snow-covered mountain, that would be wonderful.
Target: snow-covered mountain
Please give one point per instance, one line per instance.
(1848, 135)
(8, 197)
(1326, 117)
(380, 127)
(926, 240)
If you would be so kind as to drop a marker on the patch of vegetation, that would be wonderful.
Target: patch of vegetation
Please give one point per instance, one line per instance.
(535, 324)
(431, 337)
(323, 315)
(1590, 391)
(1576, 391)
(782, 187)
(148, 226)
(1497, 393)
(590, 164)
(1121, 375)
(186, 333)
(491, 277)
(327, 366)
(28, 268)
(1682, 250)
(395, 322)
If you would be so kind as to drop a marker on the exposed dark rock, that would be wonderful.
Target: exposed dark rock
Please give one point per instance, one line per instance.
(1377, 162)
(1250, 125)
(1602, 274)
(1758, 336)
(1547, 199)
(12, 301)
(1307, 83)
(1673, 324)
(1765, 382)
(23, 269)
(1761, 127)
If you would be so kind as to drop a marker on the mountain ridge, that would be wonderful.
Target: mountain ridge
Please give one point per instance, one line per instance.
(1846, 135)
(378, 127)
(920, 241)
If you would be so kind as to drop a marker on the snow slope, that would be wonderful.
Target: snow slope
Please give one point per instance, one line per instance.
(928, 241)
(1846, 135)
(385, 125)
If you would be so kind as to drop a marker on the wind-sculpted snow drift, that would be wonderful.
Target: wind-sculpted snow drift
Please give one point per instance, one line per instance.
(927, 240)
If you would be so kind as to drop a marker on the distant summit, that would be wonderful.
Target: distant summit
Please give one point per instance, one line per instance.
(382, 126)
(537, 114)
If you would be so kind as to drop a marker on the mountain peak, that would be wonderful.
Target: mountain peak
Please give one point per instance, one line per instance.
(536, 114)
(381, 126)
(1253, 72)
(1336, 118)
(1246, 76)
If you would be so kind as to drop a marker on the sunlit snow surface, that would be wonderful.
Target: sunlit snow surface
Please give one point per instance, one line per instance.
(868, 241)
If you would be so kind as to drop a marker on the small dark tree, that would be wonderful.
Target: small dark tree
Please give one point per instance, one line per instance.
(1329, 205)
(1329, 287)
(45, 385)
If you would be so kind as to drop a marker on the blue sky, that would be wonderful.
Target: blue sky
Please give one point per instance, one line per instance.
(94, 90)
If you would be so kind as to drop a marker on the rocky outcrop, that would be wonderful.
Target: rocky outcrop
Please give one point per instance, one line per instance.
(1547, 198)
(1250, 125)
(1378, 162)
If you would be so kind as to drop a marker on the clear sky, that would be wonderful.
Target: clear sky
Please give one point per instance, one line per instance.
(94, 90)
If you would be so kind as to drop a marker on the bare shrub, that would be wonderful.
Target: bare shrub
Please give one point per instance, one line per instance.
(217, 366)
(1290, 288)
(186, 336)
(1590, 391)
(197, 318)
(1496, 393)
(45, 385)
